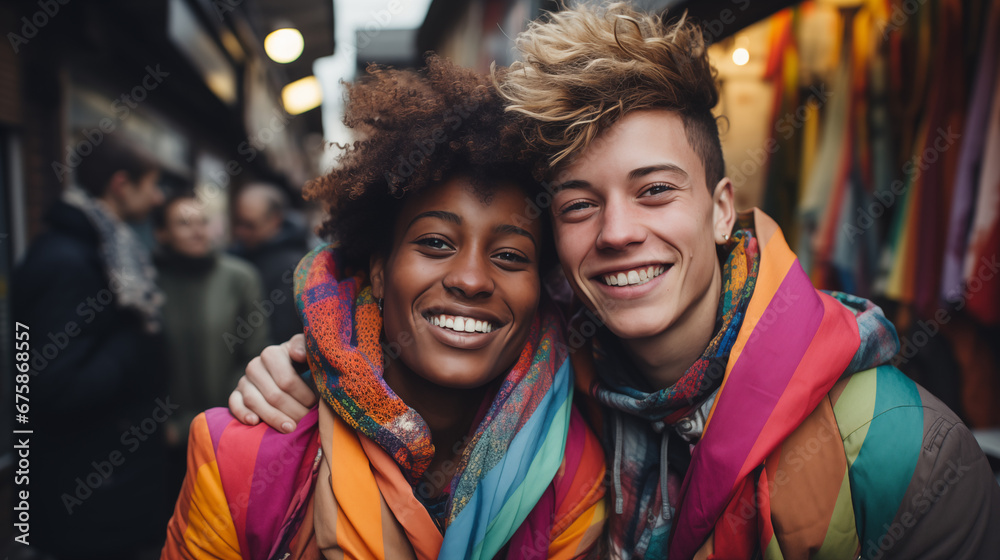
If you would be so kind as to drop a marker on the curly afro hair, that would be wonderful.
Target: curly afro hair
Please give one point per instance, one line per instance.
(416, 129)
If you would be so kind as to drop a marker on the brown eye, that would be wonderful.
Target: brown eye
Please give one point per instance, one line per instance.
(659, 188)
(579, 205)
(433, 243)
(511, 256)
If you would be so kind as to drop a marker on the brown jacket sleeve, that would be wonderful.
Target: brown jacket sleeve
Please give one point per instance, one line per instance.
(952, 506)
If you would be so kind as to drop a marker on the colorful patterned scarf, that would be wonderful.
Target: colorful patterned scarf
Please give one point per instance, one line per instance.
(513, 454)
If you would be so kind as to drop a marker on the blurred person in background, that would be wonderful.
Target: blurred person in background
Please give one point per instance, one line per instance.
(214, 317)
(87, 289)
(266, 235)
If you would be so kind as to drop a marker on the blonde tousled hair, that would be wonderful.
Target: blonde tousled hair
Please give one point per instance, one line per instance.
(582, 69)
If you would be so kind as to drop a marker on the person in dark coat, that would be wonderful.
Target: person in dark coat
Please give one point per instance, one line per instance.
(86, 290)
(266, 235)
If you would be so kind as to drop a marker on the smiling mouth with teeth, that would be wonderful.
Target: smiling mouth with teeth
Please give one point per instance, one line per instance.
(460, 324)
(634, 277)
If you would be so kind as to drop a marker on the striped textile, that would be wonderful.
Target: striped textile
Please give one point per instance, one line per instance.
(812, 447)
(880, 469)
(811, 451)
(379, 517)
(794, 345)
(243, 484)
(253, 493)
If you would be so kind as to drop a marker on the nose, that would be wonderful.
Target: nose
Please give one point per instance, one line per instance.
(469, 275)
(620, 227)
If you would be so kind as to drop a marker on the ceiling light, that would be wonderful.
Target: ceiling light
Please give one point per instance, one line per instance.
(284, 45)
(741, 56)
(302, 95)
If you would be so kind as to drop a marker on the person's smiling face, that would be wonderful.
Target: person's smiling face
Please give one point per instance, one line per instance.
(636, 226)
(186, 228)
(461, 282)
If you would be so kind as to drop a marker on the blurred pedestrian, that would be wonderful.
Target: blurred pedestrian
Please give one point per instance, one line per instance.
(213, 318)
(87, 291)
(266, 234)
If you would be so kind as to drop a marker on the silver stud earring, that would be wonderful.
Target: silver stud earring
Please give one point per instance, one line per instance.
(725, 237)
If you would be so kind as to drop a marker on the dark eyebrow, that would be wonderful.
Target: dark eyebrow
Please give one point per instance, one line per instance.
(643, 171)
(508, 228)
(439, 214)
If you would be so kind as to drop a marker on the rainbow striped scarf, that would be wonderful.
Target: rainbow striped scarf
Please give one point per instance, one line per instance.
(513, 454)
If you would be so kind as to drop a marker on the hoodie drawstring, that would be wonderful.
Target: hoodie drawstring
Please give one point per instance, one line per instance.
(664, 491)
(664, 430)
(617, 475)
